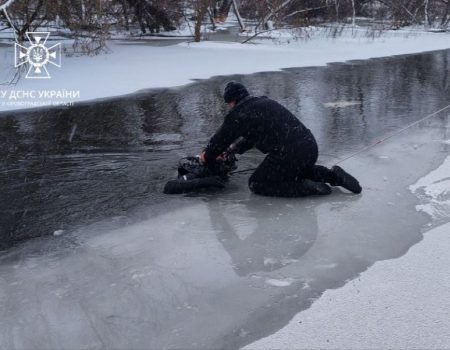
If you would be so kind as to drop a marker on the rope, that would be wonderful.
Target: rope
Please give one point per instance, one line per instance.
(242, 171)
(369, 146)
(393, 135)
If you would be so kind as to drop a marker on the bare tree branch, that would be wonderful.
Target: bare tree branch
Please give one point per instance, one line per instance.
(305, 10)
(6, 5)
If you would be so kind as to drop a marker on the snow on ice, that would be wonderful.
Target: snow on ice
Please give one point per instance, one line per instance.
(400, 303)
(435, 190)
(91, 76)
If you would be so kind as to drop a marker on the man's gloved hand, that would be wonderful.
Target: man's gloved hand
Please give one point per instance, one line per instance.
(220, 158)
(202, 157)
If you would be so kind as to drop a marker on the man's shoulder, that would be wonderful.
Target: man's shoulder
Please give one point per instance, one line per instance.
(242, 106)
(265, 100)
(251, 103)
(254, 100)
(265, 103)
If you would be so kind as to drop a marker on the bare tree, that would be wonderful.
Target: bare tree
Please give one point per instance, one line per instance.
(4, 13)
(427, 18)
(445, 15)
(153, 15)
(200, 10)
(238, 16)
(353, 13)
(221, 9)
(24, 16)
(89, 22)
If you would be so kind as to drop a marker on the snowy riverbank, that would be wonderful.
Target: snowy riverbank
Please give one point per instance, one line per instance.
(395, 304)
(131, 66)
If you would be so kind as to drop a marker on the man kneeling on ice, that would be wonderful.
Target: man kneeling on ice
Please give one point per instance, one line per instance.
(289, 169)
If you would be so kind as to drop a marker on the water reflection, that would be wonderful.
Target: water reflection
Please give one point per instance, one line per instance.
(251, 233)
(266, 234)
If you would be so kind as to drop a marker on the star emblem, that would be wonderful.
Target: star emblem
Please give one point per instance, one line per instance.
(37, 55)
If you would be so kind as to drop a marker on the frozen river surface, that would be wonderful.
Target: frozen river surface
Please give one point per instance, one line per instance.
(134, 268)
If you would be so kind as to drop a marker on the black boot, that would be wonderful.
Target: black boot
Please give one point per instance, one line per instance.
(312, 188)
(302, 188)
(345, 180)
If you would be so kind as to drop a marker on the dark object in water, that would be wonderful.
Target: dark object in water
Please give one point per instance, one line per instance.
(194, 176)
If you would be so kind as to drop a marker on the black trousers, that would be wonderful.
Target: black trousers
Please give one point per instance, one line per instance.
(281, 173)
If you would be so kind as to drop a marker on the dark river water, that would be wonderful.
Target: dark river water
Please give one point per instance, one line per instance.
(62, 168)
(139, 269)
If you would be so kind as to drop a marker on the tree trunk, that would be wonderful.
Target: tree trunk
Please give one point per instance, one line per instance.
(353, 13)
(30, 19)
(238, 15)
(125, 15)
(202, 7)
(336, 6)
(6, 4)
(83, 12)
(4, 10)
(427, 18)
(10, 22)
(223, 11)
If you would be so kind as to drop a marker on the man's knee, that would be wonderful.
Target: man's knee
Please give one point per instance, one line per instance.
(254, 186)
(251, 184)
(263, 178)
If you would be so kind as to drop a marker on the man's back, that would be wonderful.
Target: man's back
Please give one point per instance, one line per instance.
(267, 124)
(264, 123)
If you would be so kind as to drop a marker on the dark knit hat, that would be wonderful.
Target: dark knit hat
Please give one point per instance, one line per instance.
(235, 92)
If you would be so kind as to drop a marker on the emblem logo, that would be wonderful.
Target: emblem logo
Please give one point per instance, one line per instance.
(37, 55)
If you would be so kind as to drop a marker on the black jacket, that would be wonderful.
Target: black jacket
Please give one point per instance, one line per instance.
(264, 123)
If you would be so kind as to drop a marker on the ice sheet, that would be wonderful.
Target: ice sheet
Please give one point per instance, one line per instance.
(400, 303)
(129, 68)
(434, 190)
